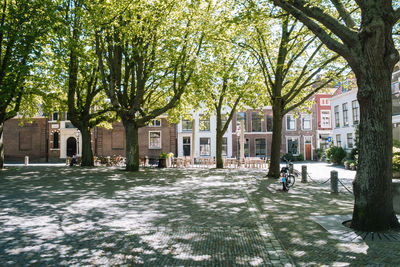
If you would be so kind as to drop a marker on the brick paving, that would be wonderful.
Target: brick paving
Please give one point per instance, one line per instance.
(186, 217)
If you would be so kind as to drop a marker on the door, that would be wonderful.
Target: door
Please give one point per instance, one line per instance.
(71, 146)
(186, 146)
(308, 151)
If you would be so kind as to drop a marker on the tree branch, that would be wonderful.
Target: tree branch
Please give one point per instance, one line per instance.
(315, 28)
(344, 14)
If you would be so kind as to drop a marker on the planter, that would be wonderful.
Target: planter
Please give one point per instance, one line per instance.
(162, 163)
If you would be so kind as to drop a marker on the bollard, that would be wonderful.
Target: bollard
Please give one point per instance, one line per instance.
(26, 160)
(303, 173)
(334, 182)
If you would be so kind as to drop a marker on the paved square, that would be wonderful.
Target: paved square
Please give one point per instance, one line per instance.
(100, 216)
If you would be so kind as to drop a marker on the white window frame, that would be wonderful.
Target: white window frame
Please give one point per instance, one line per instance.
(298, 146)
(330, 119)
(324, 102)
(152, 123)
(151, 147)
(255, 146)
(226, 151)
(341, 143)
(290, 130)
(209, 144)
(302, 125)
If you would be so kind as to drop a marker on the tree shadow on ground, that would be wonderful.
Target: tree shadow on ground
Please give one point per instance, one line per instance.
(106, 216)
(307, 242)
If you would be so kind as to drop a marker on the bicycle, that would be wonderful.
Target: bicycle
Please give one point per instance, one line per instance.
(287, 176)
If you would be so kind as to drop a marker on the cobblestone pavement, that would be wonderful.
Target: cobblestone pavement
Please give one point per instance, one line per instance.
(105, 217)
(185, 217)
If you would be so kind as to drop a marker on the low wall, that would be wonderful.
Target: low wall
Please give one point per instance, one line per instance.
(396, 196)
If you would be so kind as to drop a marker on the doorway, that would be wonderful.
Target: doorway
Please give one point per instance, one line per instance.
(307, 148)
(71, 146)
(186, 146)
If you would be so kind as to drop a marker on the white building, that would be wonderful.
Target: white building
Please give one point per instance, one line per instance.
(345, 118)
(205, 137)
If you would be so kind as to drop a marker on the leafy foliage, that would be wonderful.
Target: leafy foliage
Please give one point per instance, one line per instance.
(335, 154)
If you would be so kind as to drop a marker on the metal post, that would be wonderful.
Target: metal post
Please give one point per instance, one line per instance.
(303, 173)
(334, 182)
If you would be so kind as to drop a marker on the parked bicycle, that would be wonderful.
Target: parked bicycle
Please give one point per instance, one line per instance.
(287, 175)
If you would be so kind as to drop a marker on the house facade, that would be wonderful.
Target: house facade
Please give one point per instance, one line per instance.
(324, 120)
(257, 132)
(54, 138)
(204, 137)
(396, 102)
(345, 112)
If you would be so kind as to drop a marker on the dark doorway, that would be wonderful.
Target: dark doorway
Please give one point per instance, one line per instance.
(71, 146)
(186, 146)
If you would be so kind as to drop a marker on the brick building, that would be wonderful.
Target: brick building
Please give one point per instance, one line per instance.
(257, 132)
(54, 138)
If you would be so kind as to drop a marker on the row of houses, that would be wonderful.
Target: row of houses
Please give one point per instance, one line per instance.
(332, 120)
(54, 137)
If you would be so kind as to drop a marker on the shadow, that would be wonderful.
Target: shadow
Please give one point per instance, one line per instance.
(107, 216)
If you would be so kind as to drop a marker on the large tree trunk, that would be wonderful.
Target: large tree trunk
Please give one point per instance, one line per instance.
(219, 160)
(274, 167)
(132, 146)
(373, 207)
(1, 147)
(87, 153)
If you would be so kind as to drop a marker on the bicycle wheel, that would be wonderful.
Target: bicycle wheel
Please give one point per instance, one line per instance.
(290, 180)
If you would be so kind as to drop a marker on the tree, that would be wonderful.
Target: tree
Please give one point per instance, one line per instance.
(361, 32)
(23, 27)
(291, 64)
(224, 80)
(87, 102)
(147, 55)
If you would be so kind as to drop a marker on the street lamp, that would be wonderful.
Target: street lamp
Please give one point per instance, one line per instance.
(77, 133)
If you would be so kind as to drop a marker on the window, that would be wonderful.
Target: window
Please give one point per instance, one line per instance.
(261, 148)
(186, 146)
(242, 116)
(205, 147)
(293, 145)
(55, 116)
(306, 122)
(55, 140)
(155, 123)
(154, 140)
(290, 123)
(350, 140)
(187, 125)
(246, 147)
(324, 102)
(354, 107)
(255, 122)
(224, 146)
(345, 115)
(269, 123)
(338, 140)
(204, 123)
(337, 123)
(325, 119)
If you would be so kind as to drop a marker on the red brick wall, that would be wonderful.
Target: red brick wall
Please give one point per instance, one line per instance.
(27, 140)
